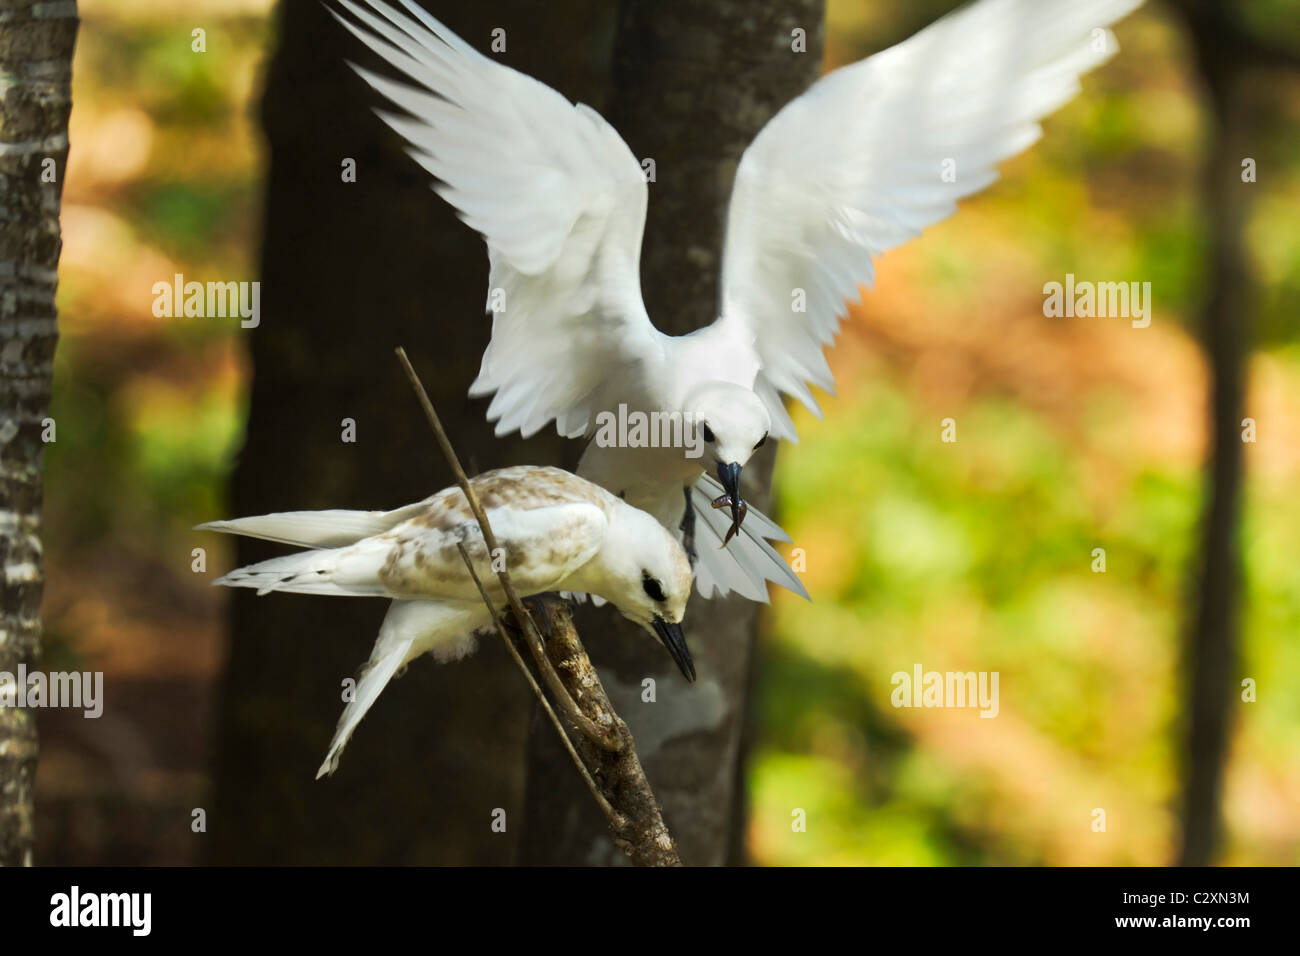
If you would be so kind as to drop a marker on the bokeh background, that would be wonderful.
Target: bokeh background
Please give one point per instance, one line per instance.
(1073, 434)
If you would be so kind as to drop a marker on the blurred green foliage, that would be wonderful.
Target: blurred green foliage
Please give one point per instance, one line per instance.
(978, 555)
(968, 556)
(163, 178)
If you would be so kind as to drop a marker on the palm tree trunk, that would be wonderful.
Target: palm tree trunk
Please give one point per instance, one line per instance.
(36, 42)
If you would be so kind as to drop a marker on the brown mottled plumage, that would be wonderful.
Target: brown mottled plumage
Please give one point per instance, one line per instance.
(556, 532)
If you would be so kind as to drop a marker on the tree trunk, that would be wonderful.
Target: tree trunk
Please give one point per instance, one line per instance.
(36, 42)
(1211, 653)
(694, 81)
(349, 271)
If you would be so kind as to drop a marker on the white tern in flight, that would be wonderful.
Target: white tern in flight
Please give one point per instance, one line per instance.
(863, 161)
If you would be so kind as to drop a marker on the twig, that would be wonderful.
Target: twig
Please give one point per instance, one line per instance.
(604, 749)
(616, 819)
(534, 639)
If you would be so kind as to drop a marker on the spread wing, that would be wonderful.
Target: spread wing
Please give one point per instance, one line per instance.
(873, 153)
(559, 199)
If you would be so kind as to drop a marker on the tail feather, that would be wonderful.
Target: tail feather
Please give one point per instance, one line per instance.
(718, 568)
(315, 529)
(748, 562)
(334, 571)
(375, 677)
(410, 628)
(762, 524)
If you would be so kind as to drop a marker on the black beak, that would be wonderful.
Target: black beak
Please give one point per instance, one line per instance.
(729, 477)
(672, 637)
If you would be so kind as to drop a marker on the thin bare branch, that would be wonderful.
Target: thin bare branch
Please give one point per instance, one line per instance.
(616, 819)
(604, 750)
(533, 639)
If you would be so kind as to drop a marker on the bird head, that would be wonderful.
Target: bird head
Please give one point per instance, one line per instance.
(733, 423)
(648, 578)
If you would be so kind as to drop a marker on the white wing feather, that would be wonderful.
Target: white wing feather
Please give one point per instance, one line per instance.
(747, 562)
(559, 199)
(416, 559)
(853, 167)
(314, 529)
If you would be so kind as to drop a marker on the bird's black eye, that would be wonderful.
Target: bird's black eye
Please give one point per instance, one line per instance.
(761, 442)
(708, 433)
(652, 587)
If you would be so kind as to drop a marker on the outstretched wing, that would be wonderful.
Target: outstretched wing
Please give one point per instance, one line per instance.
(873, 153)
(559, 199)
